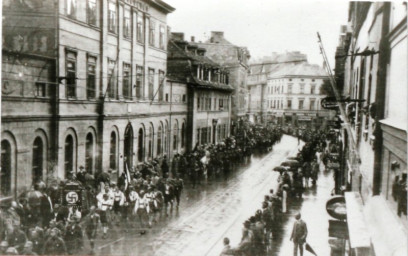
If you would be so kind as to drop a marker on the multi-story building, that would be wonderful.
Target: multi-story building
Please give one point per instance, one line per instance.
(374, 132)
(293, 96)
(208, 93)
(85, 85)
(257, 81)
(235, 59)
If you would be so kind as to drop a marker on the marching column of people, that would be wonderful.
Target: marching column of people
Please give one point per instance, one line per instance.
(58, 217)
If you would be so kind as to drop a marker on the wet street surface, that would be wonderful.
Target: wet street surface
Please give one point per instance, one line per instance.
(207, 213)
(313, 209)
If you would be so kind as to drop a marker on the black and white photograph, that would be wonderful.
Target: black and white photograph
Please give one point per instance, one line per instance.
(204, 128)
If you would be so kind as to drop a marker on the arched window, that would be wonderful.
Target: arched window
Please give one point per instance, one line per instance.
(69, 154)
(150, 142)
(38, 159)
(140, 146)
(6, 168)
(128, 146)
(89, 153)
(166, 130)
(182, 135)
(113, 162)
(175, 133)
(159, 139)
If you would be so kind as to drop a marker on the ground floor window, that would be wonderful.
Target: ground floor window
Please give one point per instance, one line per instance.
(69, 154)
(38, 159)
(6, 168)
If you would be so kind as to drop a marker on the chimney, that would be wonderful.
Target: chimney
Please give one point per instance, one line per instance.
(193, 39)
(217, 36)
(177, 36)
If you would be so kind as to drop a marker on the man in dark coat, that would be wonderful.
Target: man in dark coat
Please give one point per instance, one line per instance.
(55, 245)
(165, 167)
(73, 236)
(299, 234)
(91, 222)
(178, 187)
(17, 238)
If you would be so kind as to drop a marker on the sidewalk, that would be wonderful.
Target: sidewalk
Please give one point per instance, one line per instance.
(313, 210)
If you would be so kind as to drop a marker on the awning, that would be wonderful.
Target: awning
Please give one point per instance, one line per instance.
(358, 232)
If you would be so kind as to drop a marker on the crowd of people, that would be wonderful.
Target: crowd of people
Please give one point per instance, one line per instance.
(59, 217)
(260, 229)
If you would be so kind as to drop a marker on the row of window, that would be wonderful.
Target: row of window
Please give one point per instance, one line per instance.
(73, 11)
(278, 89)
(112, 79)
(212, 75)
(278, 104)
(218, 134)
(291, 79)
(209, 103)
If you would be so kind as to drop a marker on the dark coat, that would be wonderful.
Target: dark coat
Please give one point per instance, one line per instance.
(299, 232)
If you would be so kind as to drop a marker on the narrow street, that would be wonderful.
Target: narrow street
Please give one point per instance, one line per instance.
(206, 214)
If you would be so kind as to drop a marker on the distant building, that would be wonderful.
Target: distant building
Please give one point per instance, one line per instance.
(235, 59)
(257, 81)
(208, 93)
(294, 95)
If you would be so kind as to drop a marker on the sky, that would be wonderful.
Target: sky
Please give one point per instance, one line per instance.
(264, 26)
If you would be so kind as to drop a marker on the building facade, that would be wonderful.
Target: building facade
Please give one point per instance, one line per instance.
(93, 89)
(373, 135)
(208, 93)
(293, 96)
(235, 59)
(258, 79)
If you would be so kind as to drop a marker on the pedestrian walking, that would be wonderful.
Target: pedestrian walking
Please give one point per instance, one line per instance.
(178, 187)
(104, 205)
(299, 234)
(142, 211)
(284, 197)
(227, 248)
